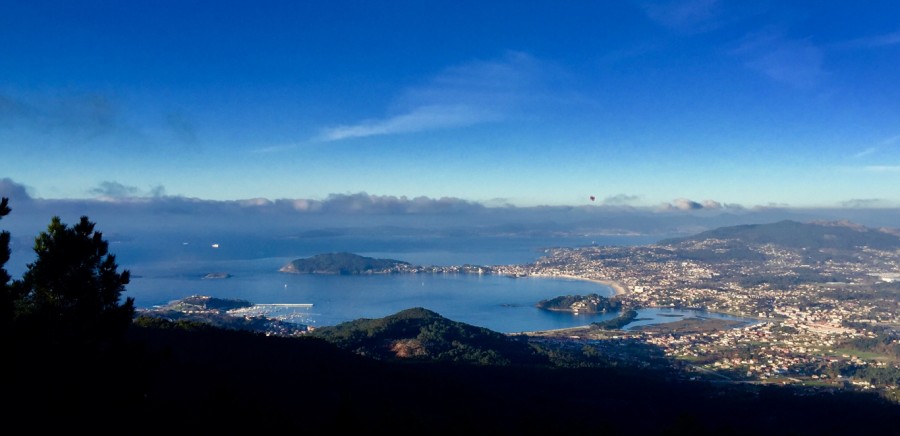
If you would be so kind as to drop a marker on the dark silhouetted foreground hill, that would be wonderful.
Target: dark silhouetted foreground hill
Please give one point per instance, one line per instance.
(423, 335)
(187, 377)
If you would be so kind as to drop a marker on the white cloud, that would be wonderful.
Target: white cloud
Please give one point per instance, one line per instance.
(686, 204)
(361, 212)
(255, 202)
(711, 204)
(389, 204)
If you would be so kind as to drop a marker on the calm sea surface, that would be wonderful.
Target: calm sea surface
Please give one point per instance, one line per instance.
(166, 269)
(499, 303)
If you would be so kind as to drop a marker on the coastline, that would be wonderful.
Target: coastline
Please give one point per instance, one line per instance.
(618, 288)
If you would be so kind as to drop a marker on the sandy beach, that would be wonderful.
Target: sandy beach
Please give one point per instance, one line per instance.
(617, 287)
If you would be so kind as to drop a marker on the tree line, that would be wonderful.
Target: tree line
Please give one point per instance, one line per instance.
(70, 293)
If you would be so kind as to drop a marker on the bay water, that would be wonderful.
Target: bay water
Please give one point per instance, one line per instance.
(170, 267)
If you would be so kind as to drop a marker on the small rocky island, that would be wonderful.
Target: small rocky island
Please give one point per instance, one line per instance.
(591, 303)
(345, 264)
(217, 275)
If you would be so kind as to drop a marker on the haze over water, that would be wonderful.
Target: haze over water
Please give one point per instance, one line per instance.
(499, 303)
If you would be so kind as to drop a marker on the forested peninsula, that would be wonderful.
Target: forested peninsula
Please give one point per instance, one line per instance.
(591, 303)
(344, 264)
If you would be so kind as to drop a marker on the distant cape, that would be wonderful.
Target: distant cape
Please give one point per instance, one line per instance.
(796, 235)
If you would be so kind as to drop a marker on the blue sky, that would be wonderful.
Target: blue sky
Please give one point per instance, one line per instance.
(691, 104)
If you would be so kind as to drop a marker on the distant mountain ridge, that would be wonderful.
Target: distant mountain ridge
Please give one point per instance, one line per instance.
(343, 264)
(797, 235)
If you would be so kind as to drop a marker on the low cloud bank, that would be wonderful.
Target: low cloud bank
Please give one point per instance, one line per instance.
(115, 190)
(123, 209)
(364, 203)
(684, 204)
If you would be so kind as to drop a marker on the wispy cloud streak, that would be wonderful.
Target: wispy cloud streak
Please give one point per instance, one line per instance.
(882, 168)
(85, 115)
(796, 62)
(417, 120)
(692, 16)
(887, 143)
(861, 203)
(474, 93)
(877, 41)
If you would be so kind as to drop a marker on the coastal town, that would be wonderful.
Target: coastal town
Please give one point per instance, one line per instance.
(820, 311)
(820, 317)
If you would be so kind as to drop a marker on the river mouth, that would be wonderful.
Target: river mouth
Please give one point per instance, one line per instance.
(650, 316)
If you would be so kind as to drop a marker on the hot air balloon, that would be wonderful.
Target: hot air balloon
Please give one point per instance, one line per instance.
(593, 198)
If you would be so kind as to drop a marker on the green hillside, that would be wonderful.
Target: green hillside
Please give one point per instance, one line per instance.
(422, 335)
(196, 378)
